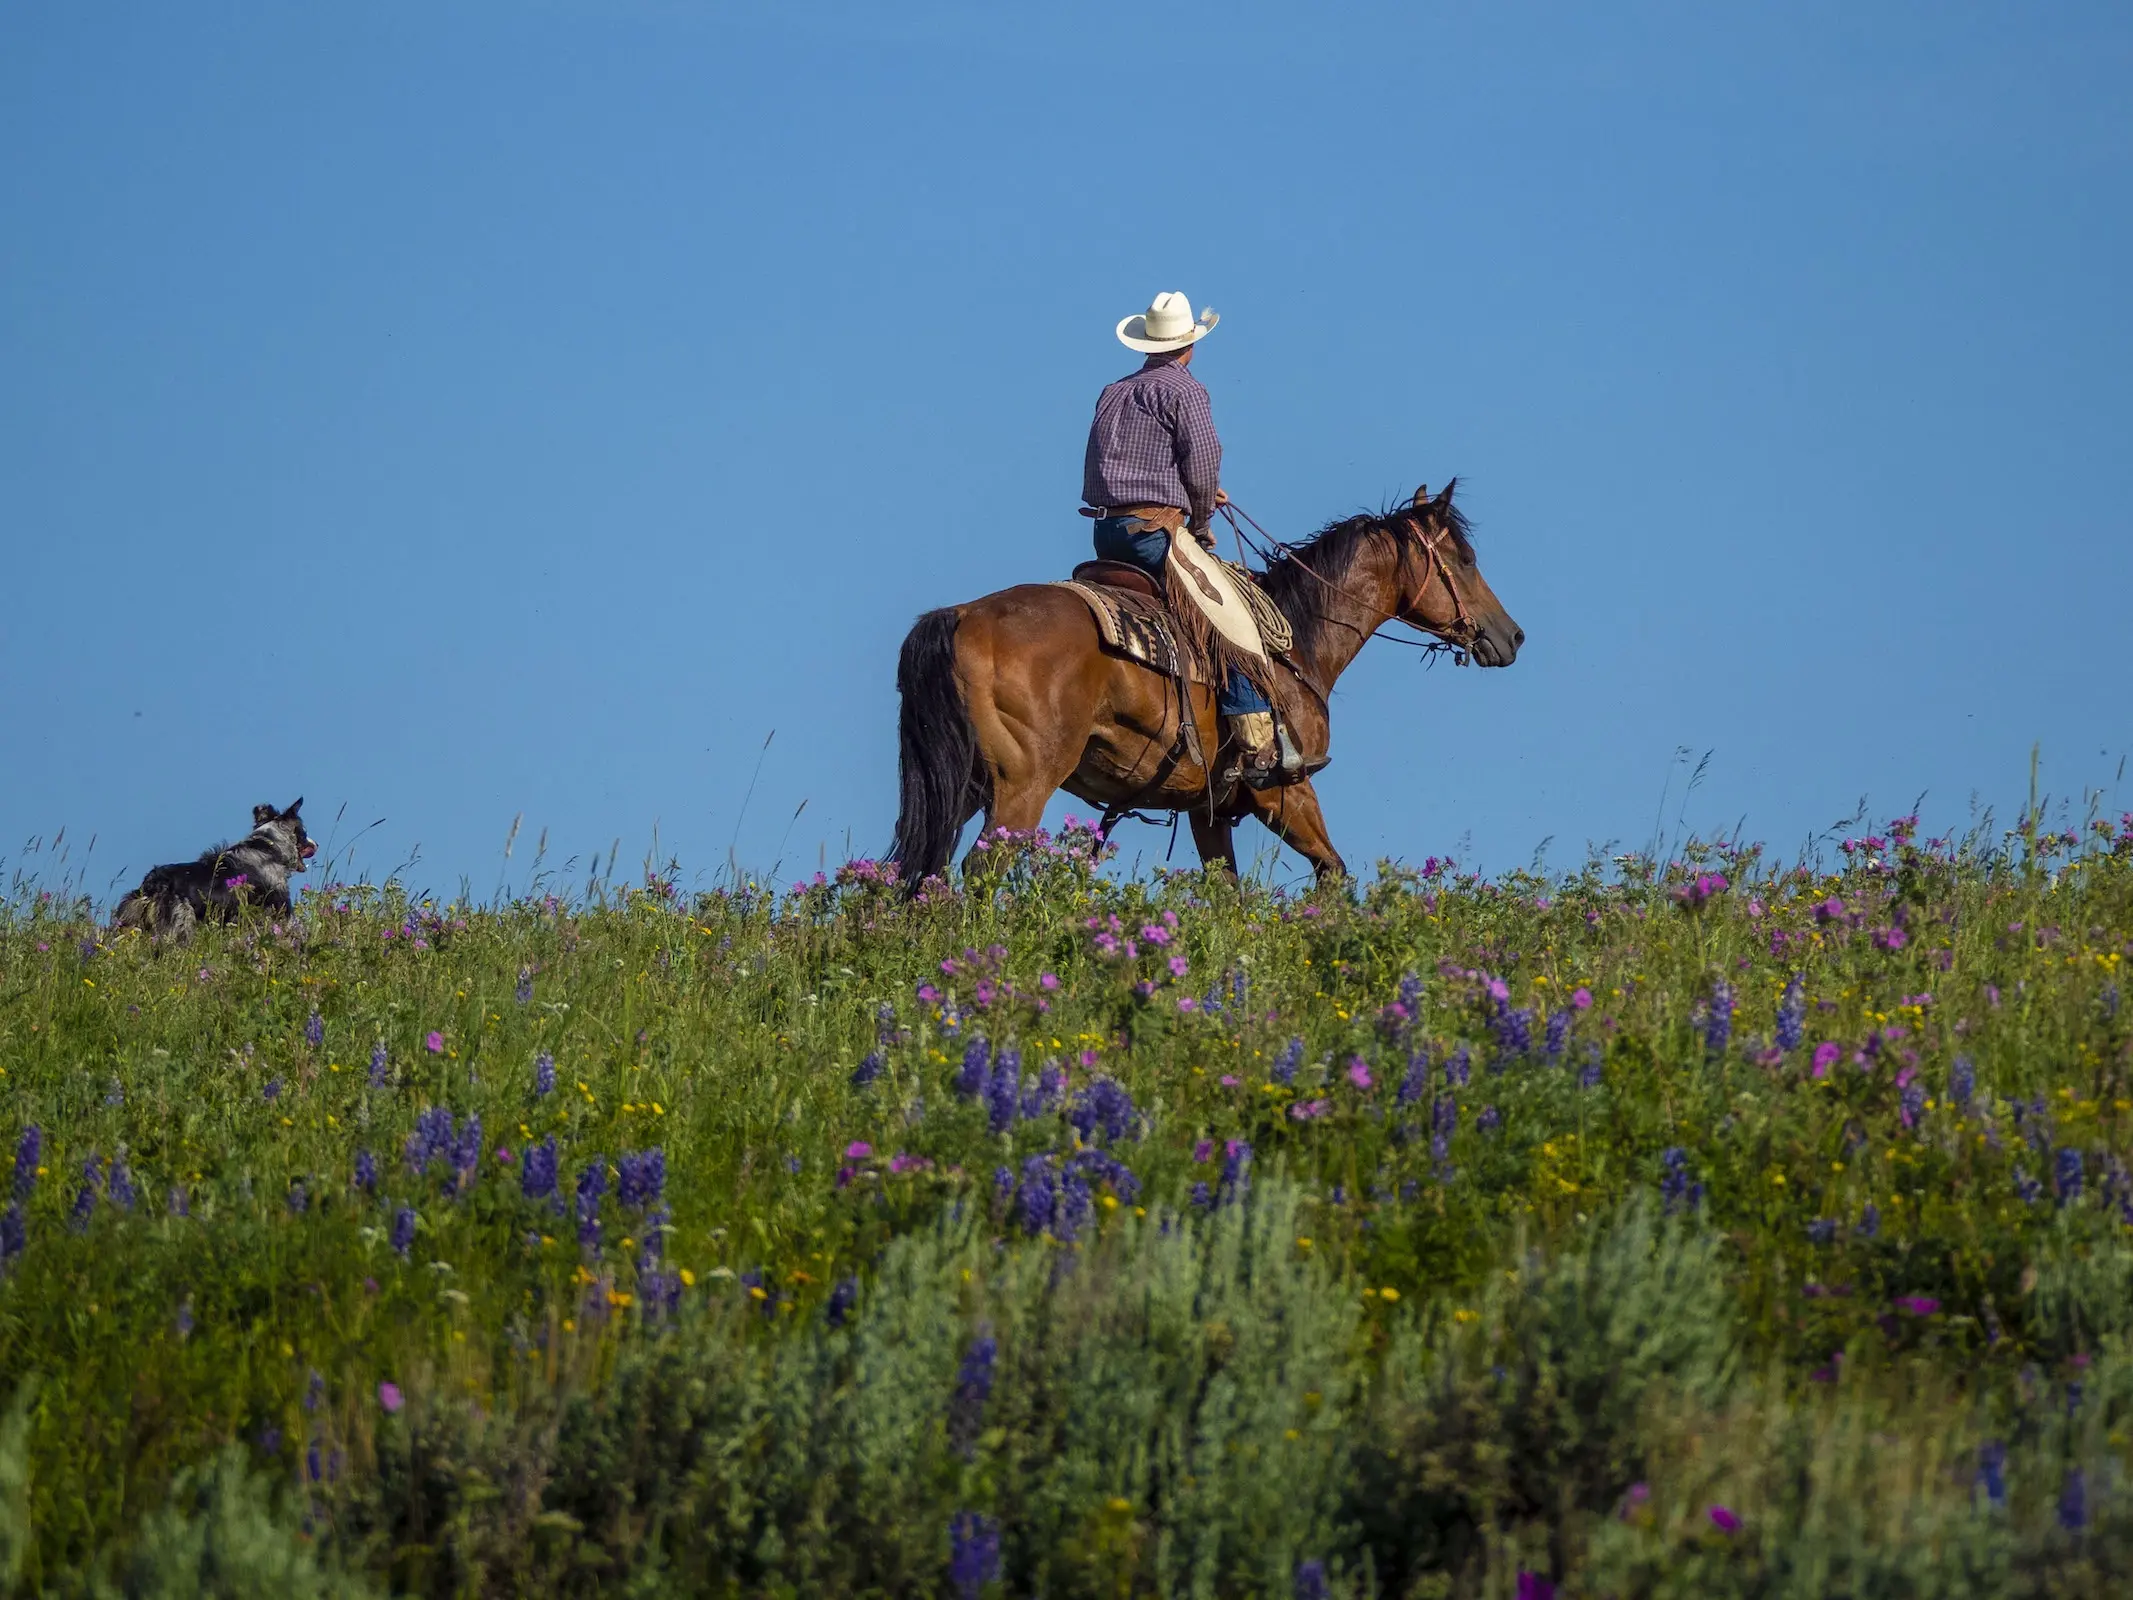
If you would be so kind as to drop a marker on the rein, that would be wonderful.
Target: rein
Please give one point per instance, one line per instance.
(1457, 639)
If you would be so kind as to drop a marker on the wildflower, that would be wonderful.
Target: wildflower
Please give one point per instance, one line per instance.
(1869, 1222)
(971, 1080)
(868, 1070)
(389, 1397)
(120, 1188)
(974, 1553)
(433, 1042)
(1918, 1305)
(27, 1152)
(1962, 1082)
(1826, 1054)
(1912, 1104)
(1676, 1187)
(14, 1233)
(2066, 1175)
(2026, 1188)
(1311, 1580)
(841, 1300)
(85, 1199)
(1104, 1111)
(1513, 1028)
(299, 1198)
(643, 1177)
(1723, 1519)
(537, 1172)
(1792, 1014)
(377, 1065)
(1309, 1110)
(1036, 1197)
(1415, 1082)
(116, 1094)
(314, 1030)
(366, 1172)
(524, 992)
(1823, 1230)
(973, 1387)
(544, 1074)
(1489, 1120)
(272, 1091)
(314, 1390)
(1590, 1077)
(2074, 1502)
(403, 1234)
(1202, 1198)
(1891, 938)
(1558, 1034)
(1991, 1477)
(1003, 1093)
(1284, 1069)
(1236, 1171)
(1532, 1586)
(183, 1321)
(1358, 1073)
(1458, 1070)
(1718, 1019)
(1581, 998)
(1179, 966)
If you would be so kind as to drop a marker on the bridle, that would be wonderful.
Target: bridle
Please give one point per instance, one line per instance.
(1456, 637)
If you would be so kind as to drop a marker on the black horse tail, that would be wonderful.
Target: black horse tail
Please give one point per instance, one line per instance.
(941, 779)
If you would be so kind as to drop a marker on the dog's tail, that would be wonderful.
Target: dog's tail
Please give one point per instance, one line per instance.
(942, 780)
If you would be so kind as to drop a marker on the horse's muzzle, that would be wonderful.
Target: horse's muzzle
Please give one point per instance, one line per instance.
(1497, 646)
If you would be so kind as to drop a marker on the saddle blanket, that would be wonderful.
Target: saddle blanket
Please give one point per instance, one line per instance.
(1137, 628)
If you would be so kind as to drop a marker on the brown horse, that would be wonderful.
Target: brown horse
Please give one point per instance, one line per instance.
(1010, 698)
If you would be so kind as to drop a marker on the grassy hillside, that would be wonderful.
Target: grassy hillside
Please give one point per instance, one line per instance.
(1721, 1229)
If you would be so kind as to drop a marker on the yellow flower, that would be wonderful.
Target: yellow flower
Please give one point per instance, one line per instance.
(1389, 1294)
(1301, 1244)
(688, 1278)
(1464, 1315)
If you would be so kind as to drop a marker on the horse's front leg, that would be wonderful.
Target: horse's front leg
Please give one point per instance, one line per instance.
(1293, 815)
(1216, 841)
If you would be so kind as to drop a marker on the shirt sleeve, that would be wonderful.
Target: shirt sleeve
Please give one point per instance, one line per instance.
(1199, 452)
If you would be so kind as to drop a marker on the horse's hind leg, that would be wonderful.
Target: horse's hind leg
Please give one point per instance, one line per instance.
(1032, 724)
(1293, 815)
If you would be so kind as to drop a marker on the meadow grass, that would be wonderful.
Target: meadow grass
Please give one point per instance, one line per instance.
(1713, 1228)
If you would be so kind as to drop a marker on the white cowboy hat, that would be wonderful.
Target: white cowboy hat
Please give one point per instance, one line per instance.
(1166, 325)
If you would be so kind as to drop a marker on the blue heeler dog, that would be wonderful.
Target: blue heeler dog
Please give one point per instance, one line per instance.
(254, 871)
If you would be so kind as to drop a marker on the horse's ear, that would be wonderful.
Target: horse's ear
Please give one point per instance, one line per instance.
(1444, 498)
(1422, 495)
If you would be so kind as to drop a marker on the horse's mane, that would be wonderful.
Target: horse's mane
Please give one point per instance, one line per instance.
(1303, 577)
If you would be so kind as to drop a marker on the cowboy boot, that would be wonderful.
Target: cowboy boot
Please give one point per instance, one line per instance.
(1258, 764)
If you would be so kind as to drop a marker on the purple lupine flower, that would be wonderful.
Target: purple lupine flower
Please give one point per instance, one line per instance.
(1036, 1196)
(971, 1079)
(314, 1390)
(1047, 1093)
(1792, 1014)
(466, 1151)
(1590, 1077)
(1962, 1082)
(179, 1205)
(1823, 1230)
(92, 1172)
(1201, 1198)
(841, 1300)
(1104, 1110)
(1676, 1187)
(2066, 1174)
(314, 1030)
(403, 1234)
(272, 1091)
(1991, 1474)
(2074, 1502)
(1075, 1204)
(1003, 1185)
(2026, 1188)
(544, 1074)
(1718, 1019)
(377, 1065)
(592, 1183)
(1003, 1091)
(28, 1150)
(1458, 1068)
(116, 1094)
(1513, 1027)
(14, 1233)
(366, 1172)
(1912, 1103)
(299, 1198)
(1284, 1068)
(1558, 1033)
(183, 1321)
(868, 1070)
(1236, 1171)
(1489, 1121)
(973, 1553)
(973, 1387)
(1869, 1222)
(431, 1140)
(523, 994)
(1414, 1083)
(643, 1176)
(1311, 1580)
(123, 1195)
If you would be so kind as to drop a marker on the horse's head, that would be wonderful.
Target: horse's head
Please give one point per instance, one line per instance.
(1442, 590)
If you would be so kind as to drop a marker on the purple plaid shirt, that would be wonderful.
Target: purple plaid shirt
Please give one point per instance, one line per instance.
(1153, 444)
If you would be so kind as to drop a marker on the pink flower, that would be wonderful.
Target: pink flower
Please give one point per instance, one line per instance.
(1229, 1080)
(1826, 1054)
(503, 1154)
(1204, 1150)
(1891, 939)
(1049, 980)
(1179, 966)
(1358, 1074)
(1918, 1305)
(927, 994)
(1582, 999)
(1187, 1003)
(1309, 1110)
(434, 1043)
(1755, 907)
(858, 1150)
(389, 1396)
(1724, 1520)
(1499, 990)
(1532, 1586)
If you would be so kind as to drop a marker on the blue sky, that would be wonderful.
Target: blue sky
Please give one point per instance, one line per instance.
(454, 411)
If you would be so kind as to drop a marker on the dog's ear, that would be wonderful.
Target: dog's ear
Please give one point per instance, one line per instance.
(262, 815)
(295, 806)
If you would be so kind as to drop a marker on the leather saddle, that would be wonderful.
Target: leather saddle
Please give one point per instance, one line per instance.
(1118, 575)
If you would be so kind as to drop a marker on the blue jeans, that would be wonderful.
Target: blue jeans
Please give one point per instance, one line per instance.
(1132, 541)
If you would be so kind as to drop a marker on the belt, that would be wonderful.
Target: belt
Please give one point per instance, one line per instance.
(1152, 514)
